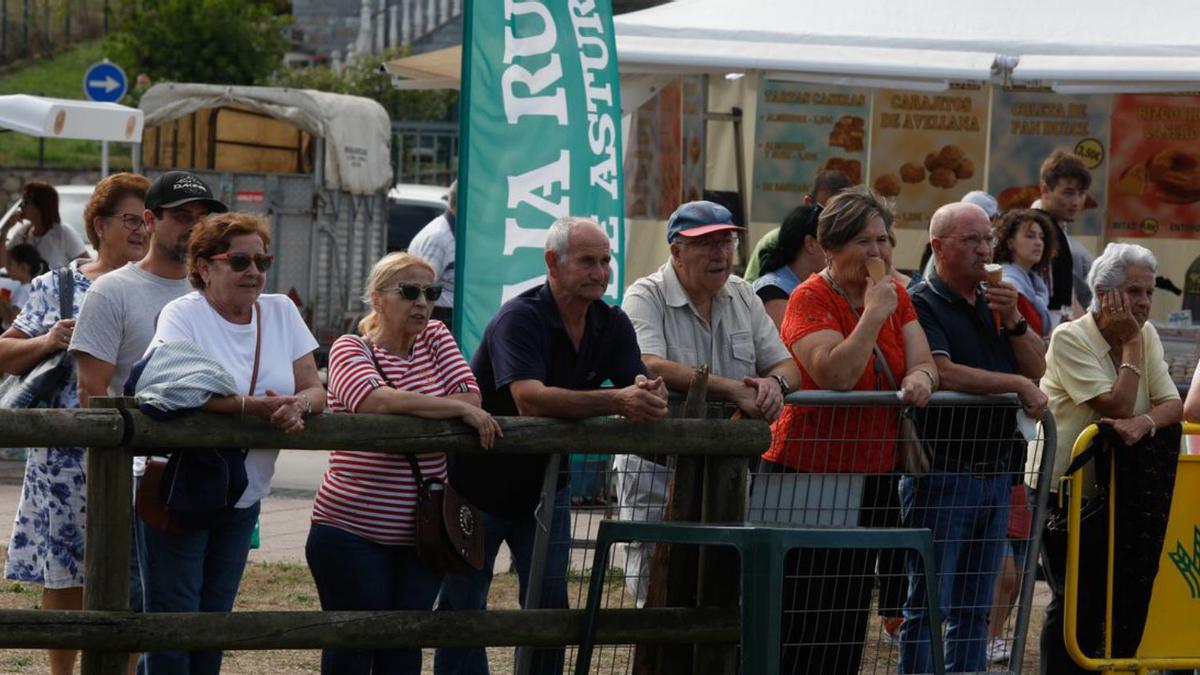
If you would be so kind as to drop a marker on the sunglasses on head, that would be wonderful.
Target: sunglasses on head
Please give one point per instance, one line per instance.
(412, 291)
(239, 262)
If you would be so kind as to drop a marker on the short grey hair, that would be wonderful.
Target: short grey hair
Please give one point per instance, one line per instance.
(1111, 268)
(948, 217)
(558, 238)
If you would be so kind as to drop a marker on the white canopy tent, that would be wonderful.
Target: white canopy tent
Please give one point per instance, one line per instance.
(1103, 46)
(63, 118)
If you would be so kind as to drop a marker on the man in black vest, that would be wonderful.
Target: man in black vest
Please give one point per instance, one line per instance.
(1065, 181)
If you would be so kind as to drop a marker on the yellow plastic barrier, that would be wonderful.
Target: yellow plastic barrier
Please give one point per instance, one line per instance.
(1174, 611)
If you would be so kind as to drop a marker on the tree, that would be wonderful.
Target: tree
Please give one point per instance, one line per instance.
(210, 41)
(363, 77)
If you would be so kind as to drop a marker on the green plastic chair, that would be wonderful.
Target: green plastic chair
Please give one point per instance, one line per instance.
(762, 551)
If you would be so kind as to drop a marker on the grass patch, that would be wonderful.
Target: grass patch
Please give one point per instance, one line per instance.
(58, 77)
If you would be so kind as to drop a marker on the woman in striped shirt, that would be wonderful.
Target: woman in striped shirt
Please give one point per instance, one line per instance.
(361, 545)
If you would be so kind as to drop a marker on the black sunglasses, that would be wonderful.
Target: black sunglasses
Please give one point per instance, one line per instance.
(239, 262)
(412, 291)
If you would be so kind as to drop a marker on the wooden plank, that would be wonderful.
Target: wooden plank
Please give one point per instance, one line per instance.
(42, 629)
(109, 536)
(398, 434)
(65, 428)
(393, 434)
(723, 501)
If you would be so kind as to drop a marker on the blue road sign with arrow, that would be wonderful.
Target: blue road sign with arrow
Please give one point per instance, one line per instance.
(105, 82)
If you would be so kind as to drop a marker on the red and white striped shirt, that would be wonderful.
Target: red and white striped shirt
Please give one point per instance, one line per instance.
(371, 494)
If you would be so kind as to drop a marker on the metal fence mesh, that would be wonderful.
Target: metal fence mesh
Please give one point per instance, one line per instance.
(843, 610)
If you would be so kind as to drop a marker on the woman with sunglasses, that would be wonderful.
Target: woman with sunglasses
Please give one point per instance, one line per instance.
(361, 546)
(48, 535)
(795, 257)
(265, 346)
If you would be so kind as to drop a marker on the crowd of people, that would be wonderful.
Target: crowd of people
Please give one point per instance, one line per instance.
(172, 309)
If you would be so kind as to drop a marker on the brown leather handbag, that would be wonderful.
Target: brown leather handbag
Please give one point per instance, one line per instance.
(449, 528)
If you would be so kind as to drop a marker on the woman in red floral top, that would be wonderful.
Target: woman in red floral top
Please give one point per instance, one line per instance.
(836, 324)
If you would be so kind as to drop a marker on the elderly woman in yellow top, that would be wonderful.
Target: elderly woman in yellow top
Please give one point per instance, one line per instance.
(1106, 366)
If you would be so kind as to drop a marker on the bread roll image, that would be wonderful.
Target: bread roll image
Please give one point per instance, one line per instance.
(965, 169)
(911, 172)
(942, 178)
(887, 184)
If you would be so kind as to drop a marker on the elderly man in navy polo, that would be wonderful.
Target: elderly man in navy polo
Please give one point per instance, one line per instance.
(546, 353)
(981, 345)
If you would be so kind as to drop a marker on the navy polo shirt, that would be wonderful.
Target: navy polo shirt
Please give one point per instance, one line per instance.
(968, 335)
(527, 340)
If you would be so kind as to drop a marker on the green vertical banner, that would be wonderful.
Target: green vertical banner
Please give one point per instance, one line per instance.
(541, 138)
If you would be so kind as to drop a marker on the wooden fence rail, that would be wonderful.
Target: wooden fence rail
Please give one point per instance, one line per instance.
(114, 431)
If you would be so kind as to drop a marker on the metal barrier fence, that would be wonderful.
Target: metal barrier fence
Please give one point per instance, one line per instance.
(109, 632)
(844, 605)
(29, 29)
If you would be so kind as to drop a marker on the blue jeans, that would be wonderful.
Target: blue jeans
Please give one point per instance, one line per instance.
(355, 573)
(194, 572)
(470, 591)
(969, 518)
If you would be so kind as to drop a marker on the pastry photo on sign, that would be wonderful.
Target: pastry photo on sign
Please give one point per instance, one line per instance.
(1171, 175)
(943, 169)
(848, 133)
(1023, 197)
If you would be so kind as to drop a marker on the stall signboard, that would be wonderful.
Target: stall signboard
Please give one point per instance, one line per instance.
(654, 164)
(800, 129)
(1154, 181)
(1027, 126)
(541, 138)
(695, 103)
(928, 149)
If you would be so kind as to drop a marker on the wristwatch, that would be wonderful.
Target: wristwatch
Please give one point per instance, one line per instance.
(1018, 330)
(783, 384)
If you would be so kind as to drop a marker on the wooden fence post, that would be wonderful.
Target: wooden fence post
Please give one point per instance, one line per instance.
(673, 570)
(108, 538)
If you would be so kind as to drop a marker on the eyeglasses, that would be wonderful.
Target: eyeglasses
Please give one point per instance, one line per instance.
(132, 221)
(974, 240)
(240, 262)
(723, 244)
(410, 292)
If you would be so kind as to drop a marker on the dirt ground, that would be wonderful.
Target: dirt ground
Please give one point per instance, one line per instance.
(285, 586)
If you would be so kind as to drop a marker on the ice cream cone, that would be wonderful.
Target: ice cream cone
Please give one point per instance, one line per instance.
(876, 269)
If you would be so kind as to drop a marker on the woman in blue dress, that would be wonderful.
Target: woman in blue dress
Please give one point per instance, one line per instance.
(47, 542)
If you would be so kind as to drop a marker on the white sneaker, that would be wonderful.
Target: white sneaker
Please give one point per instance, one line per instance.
(999, 650)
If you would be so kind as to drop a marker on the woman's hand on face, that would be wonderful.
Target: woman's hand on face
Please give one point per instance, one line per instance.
(880, 298)
(916, 389)
(1131, 429)
(1115, 321)
(481, 421)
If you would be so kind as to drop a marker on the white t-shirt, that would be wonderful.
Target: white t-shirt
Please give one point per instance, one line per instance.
(16, 291)
(285, 338)
(60, 245)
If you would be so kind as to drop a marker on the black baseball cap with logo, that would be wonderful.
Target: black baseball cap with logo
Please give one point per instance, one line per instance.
(175, 188)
